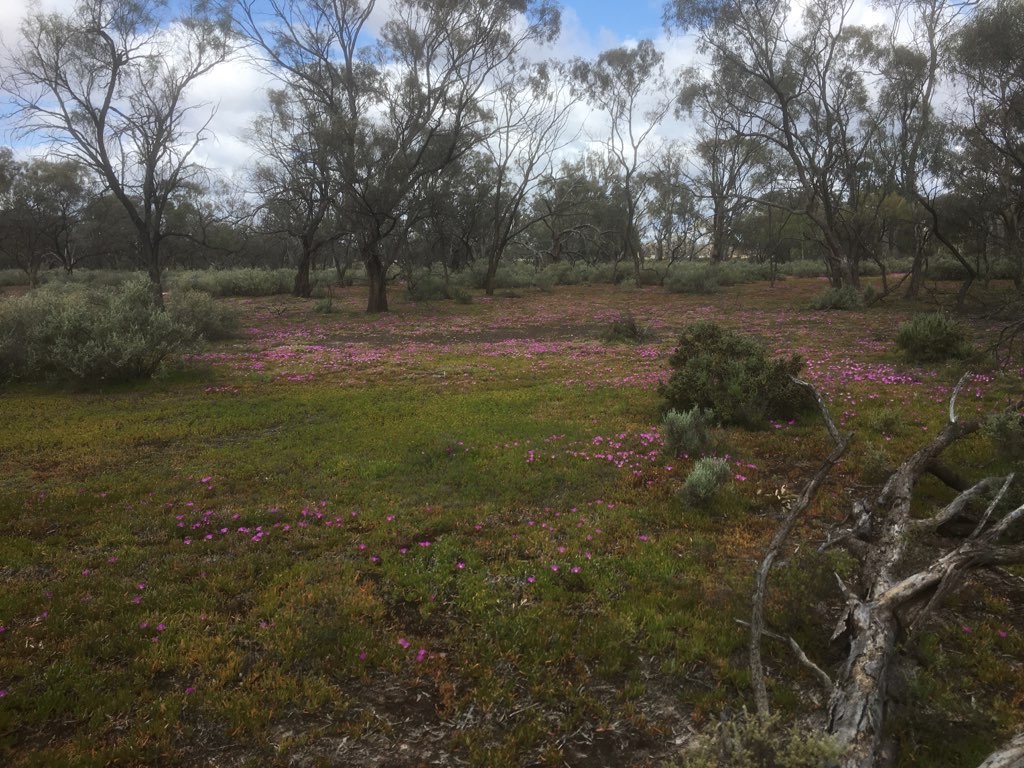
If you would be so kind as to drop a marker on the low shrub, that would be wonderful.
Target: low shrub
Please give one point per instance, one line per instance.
(211, 319)
(932, 338)
(88, 335)
(692, 278)
(843, 298)
(732, 375)
(754, 742)
(627, 328)
(1006, 431)
(460, 295)
(708, 475)
(945, 269)
(804, 268)
(686, 432)
(427, 287)
(234, 282)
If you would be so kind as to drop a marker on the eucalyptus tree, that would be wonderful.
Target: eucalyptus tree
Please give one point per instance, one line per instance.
(107, 84)
(730, 167)
(630, 87)
(801, 90)
(989, 59)
(529, 111)
(914, 140)
(673, 210)
(295, 179)
(402, 100)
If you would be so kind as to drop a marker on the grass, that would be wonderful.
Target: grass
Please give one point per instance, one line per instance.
(451, 527)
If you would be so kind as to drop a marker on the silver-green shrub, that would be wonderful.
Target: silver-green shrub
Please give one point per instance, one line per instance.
(87, 334)
(706, 478)
(687, 432)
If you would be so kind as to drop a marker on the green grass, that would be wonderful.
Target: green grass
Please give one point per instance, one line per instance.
(395, 495)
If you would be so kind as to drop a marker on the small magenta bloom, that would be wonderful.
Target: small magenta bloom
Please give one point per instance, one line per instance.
(403, 642)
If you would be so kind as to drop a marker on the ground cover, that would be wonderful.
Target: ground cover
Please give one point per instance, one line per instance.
(448, 535)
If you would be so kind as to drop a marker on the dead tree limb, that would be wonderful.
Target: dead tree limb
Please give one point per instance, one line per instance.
(1010, 755)
(886, 601)
(800, 505)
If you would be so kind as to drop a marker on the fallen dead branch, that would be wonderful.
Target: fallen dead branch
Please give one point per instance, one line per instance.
(885, 602)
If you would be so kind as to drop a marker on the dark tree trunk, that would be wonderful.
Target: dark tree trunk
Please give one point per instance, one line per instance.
(302, 287)
(377, 274)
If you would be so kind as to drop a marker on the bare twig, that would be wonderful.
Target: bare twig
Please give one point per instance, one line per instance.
(818, 672)
(802, 502)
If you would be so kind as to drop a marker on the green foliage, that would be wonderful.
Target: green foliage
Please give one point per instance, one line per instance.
(752, 742)
(932, 338)
(627, 328)
(211, 319)
(843, 298)
(88, 335)
(235, 282)
(427, 287)
(733, 376)
(1006, 431)
(692, 278)
(803, 268)
(460, 295)
(946, 269)
(687, 432)
(708, 475)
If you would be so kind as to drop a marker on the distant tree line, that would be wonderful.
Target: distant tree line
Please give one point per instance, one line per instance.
(435, 134)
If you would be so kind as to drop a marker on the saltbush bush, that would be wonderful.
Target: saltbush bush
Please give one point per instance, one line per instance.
(692, 278)
(427, 287)
(708, 475)
(627, 328)
(1006, 430)
(843, 298)
(753, 742)
(686, 432)
(211, 319)
(234, 282)
(87, 335)
(732, 375)
(932, 338)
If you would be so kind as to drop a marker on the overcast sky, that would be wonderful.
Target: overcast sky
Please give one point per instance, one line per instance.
(237, 90)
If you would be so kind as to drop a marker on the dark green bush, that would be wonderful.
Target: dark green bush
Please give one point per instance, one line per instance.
(211, 319)
(87, 334)
(460, 295)
(1006, 430)
(235, 282)
(733, 376)
(687, 432)
(846, 297)
(692, 278)
(427, 287)
(932, 338)
(627, 328)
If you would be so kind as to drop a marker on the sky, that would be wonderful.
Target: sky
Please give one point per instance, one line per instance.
(588, 27)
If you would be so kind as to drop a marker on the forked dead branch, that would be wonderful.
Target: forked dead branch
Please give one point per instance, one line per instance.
(885, 603)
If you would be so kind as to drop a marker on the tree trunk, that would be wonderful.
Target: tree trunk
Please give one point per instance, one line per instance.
(377, 274)
(155, 274)
(491, 275)
(302, 287)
